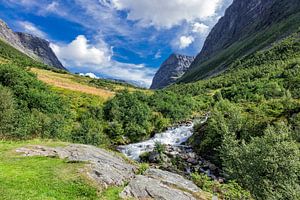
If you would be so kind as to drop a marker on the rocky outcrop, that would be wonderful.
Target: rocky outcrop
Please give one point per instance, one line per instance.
(108, 169)
(13, 39)
(143, 187)
(247, 26)
(170, 70)
(105, 168)
(41, 48)
(159, 184)
(34, 47)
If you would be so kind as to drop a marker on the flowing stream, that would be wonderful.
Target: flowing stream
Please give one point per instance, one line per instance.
(175, 136)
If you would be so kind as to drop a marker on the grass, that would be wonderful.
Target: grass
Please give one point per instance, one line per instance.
(41, 178)
(68, 82)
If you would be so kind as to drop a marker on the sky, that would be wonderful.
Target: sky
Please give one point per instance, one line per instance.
(119, 39)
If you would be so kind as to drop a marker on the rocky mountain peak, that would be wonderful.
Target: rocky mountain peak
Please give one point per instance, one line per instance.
(33, 46)
(41, 48)
(171, 69)
(246, 27)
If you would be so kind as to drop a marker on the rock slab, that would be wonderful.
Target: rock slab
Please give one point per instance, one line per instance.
(108, 169)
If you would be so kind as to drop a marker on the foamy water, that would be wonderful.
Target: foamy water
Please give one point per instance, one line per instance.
(173, 136)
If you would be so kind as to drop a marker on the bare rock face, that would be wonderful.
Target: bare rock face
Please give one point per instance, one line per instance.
(13, 39)
(143, 187)
(41, 48)
(171, 70)
(108, 169)
(245, 23)
(34, 47)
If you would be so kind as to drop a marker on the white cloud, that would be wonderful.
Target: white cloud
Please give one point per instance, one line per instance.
(29, 27)
(52, 7)
(200, 28)
(166, 14)
(79, 53)
(185, 41)
(83, 56)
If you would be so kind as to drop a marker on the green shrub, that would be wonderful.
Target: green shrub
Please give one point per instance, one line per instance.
(7, 112)
(227, 191)
(159, 147)
(143, 167)
(268, 166)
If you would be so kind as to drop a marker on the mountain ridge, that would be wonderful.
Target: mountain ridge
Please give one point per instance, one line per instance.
(246, 27)
(171, 69)
(35, 47)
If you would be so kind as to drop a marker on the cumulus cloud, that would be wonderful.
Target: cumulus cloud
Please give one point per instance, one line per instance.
(185, 41)
(83, 56)
(29, 27)
(166, 14)
(80, 53)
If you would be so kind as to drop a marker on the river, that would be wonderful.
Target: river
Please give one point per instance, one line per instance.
(174, 136)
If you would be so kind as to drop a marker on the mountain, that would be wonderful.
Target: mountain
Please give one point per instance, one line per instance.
(34, 47)
(247, 26)
(170, 70)
(41, 48)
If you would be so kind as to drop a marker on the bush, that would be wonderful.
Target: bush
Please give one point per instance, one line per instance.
(159, 147)
(226, 117)
(7, 112)
(127, 112)
(229, 191)
(143, 167)
(268, 166)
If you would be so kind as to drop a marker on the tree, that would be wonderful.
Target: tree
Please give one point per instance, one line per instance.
(267, 166)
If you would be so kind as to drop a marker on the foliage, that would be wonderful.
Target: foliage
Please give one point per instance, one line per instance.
(131, 114)
(134, 116)
(230, 190)
(7, 111)
(159, 147)
(143, 167)
(268, 166)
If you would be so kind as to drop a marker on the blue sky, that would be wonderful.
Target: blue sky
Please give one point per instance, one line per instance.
(122, 39)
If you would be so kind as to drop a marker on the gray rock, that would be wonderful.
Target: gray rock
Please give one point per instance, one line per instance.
(41, 48)
(32, 46)
(7, 35)
(106, 168)
(244, 19)
(169, 178)
(170, 70)
(143, 187)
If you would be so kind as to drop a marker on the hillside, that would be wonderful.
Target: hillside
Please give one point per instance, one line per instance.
(248, 26)
(32, 46)
(234, 135)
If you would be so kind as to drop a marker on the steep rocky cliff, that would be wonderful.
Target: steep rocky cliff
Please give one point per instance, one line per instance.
(13, 39)
(247, 26)
(41, 48)
(35, 47)
(170, 70)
